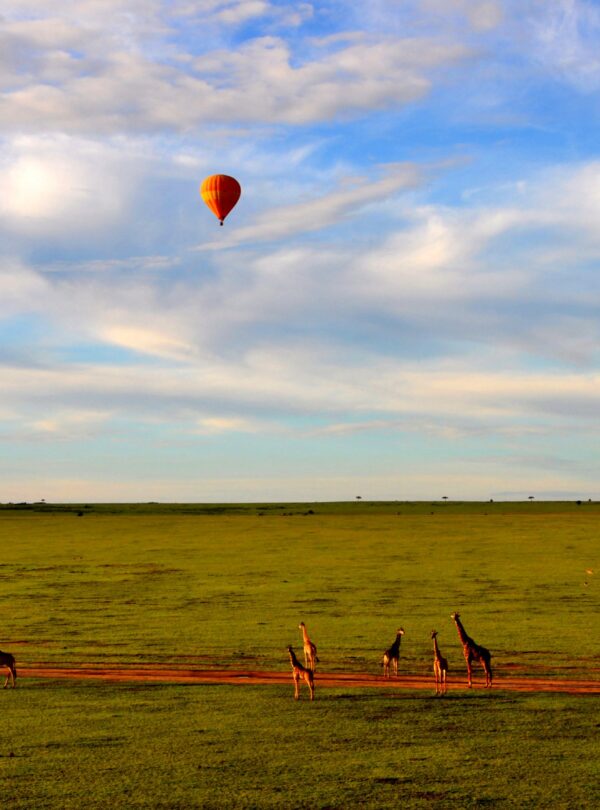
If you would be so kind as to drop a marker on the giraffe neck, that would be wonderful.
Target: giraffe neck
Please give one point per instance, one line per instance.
(436, 649)
(305, 636)
(293, 659)
(462, 632)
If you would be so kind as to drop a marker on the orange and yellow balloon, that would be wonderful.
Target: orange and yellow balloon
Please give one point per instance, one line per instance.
(220, 192)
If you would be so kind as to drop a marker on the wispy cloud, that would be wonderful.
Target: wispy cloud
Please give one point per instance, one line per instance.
(102, 78)
(566, 38)
(351, 196)
(425, 400)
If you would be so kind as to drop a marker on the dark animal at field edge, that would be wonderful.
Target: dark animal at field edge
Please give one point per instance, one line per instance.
(7, 660)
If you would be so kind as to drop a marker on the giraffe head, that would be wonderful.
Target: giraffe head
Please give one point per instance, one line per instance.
(455, 616)
(301, 625)
(400, 631)
(433, 633)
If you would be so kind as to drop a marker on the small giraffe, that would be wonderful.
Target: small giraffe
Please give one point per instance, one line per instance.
(8, 660)
(392, 655)
(473, 652)
(310, 649)
(440, 667)
(301, 672)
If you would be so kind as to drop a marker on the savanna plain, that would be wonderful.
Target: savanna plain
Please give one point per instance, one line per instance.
(188, 588)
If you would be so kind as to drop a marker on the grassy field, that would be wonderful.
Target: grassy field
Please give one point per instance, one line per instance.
(131, 585)
(226, 586)
(83, 745)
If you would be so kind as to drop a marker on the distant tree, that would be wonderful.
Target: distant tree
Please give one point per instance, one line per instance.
(531, 497)
(359, 497)
(444, 497)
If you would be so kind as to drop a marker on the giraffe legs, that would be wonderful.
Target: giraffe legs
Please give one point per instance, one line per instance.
(308, 678)
(311, 686)
(441, 685)
(444, 683)
(10, 676)
(487, 668)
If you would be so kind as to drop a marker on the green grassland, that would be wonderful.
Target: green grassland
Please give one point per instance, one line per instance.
(82, 745)
(225, 586)
(122, 584)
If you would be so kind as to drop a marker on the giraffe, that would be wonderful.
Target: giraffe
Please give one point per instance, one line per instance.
(7, 660)
(301, 672)
(310, 649)
(392, 654)
(473, 652)
(440, 667)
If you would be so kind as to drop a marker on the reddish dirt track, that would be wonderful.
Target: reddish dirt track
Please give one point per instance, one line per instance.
(336, 680)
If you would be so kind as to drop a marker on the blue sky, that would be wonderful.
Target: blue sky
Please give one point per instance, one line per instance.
(404, 304)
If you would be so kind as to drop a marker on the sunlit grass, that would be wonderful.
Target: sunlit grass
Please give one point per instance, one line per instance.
(224, 589)
(74, 745)
(228, 588)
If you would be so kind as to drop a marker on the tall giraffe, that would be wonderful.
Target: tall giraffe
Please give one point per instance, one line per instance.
(473, 652)
(392, 655)
(300, 672)
(310, 649)
(440, 667)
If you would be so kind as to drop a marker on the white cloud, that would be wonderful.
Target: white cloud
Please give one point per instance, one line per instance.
(483, 15)
(442, 16)
(261, 80)
(93, 75)
(146, 341)
(297, 383)
(565, 40)
(22, 290)
(215, 425)
(56, 185)
(66, 425)
(236, 13)
(104, 266)
(441, 258)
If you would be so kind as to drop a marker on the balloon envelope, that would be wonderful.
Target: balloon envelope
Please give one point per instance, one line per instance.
(220, 192)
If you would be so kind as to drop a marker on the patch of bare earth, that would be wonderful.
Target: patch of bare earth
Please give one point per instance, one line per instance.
(338, 680)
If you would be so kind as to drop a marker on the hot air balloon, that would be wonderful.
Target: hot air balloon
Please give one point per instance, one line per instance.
(220, 192)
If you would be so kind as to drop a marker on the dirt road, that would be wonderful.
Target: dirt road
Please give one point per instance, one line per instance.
(337, 680)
